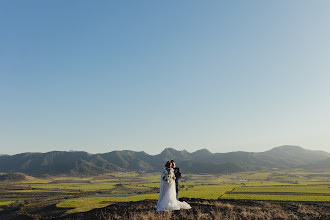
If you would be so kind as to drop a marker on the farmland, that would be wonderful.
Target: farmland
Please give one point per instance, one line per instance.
(69, 195)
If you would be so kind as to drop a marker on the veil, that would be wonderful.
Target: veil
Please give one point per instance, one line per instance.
(167, 195)
(161, 188)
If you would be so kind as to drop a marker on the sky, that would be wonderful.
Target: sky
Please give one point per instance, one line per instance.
(99, 76)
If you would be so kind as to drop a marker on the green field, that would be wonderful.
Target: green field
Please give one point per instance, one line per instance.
(82, 194)
(76, 186)
(6, 203)
(298, 189)
(206, 191)
(86, 204)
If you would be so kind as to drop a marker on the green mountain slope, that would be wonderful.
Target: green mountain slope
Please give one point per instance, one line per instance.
(201, 161)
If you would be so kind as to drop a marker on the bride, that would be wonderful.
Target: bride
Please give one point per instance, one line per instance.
(167, 195)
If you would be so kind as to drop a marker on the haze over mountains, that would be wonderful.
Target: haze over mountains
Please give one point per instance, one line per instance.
(201, 161)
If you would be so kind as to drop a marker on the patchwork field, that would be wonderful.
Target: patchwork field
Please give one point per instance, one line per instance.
(67, 195)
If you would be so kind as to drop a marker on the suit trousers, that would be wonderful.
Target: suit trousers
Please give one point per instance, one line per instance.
(177, 189)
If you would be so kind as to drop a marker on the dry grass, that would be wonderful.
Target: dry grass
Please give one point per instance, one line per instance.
(208, 209)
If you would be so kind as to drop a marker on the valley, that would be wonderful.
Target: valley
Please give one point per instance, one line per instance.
(60, 196)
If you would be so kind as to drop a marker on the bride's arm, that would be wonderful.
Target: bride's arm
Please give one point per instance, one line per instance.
(163, 174)
(172, 174)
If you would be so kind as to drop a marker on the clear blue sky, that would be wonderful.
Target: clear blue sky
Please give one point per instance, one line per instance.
(140, 75)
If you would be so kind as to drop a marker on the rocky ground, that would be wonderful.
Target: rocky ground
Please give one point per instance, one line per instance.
(201, 209)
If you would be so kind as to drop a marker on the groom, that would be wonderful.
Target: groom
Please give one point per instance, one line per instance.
(177, 174)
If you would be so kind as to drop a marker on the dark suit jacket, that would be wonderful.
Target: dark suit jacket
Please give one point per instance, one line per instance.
(177, 173)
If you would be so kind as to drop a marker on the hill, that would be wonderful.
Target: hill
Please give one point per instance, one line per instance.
(201, 161)
(201, 209)
(323, 165)
(14, 177)
(295, 155)
(208, 209)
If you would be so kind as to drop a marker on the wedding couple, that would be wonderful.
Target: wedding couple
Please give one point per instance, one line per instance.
(168, 193)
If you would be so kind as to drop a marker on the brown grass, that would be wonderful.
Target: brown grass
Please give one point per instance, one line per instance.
(208, 209)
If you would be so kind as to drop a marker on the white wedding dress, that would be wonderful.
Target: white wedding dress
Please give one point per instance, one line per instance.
(167, 195)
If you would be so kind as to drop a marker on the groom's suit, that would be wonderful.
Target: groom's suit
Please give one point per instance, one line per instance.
(177, 174)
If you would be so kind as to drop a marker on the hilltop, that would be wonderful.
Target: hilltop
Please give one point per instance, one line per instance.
(208, 209)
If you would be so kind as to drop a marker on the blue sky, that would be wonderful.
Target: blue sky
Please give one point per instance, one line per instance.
(145, 75)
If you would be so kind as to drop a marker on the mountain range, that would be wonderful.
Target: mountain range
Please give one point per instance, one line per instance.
(201, 161)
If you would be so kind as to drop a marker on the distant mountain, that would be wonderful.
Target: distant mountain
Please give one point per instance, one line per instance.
(323, 165)
(202, 154)
(201, 161)
(294, 156)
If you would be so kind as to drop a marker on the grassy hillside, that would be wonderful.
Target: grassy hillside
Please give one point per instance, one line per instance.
(202, 161)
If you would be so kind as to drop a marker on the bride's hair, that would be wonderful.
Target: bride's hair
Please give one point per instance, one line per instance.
(168, 164)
